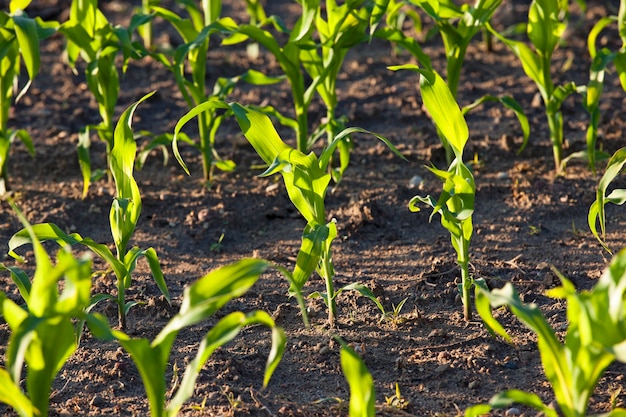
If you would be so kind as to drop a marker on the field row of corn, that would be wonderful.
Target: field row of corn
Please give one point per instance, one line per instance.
(47, 323)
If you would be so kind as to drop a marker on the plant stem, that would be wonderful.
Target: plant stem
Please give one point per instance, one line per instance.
(121, 295)
(555, 123)
(206, 148)
(328, 273)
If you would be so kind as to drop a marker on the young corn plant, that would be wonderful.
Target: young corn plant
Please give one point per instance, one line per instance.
(315, 50)
(123, 217)
(91, 37)
(617, 196)
(200, 301)
(203, 22)
(45, 331)
(19, 44)
(596, 337)
(458, 25)
(455, 205)
(545, 28)
(600, 61)
(306, 178)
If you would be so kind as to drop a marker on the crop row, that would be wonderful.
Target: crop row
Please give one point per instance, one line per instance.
(47, 324)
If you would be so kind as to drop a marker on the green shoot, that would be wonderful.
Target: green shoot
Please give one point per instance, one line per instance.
(19, 44)
(200, 301)
(617, 196)
(456, 202)
(196, 32)
(546, 25)
(595, 338)
(601, 60)
(397, 400)
(306, 178)
(44, 334)
(91, 37)
(123, 217)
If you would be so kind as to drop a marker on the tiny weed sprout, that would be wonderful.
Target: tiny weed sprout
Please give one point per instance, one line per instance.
(546, 25)
(123, 218)
(362, 391)
(456, 202)
(196, 32)
(200, 301)
(306, 178)
(19, 43)
(44, 332)
(91, 37)
(595, 338)
(617, 196)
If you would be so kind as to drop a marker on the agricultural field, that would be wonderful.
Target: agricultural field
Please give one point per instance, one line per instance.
(407, 321)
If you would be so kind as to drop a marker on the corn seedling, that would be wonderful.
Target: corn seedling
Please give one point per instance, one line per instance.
(546, 25)
(617, 196)
(458, 25)
(44, 334)
(196, 32)
(595, 338)
(456, 202)
(600, 61)
(316, 49)
(19, 43)
(306, 179)
(91, 37)
(362, 391)
(124, 216)
(200, 301)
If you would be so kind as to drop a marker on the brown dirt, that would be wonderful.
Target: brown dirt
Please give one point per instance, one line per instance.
(525, 220)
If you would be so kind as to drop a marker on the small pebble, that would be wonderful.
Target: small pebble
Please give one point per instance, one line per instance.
(272, 187)
(416, 181)
(503, 175)
(473, 384)
(512, 412)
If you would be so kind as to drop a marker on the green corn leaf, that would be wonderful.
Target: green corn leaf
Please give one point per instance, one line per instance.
(305, 23)
(620, 65)
(194, 112)
(545, 26)
(16, 5)
(483, 307)
(509, 397)
(379, 10)
(559, 95)
(223, 332)
(311, 249)
(410, 44)
(211, 292)
(19, 278)
(442, 107)
(595, 31)
(48, 352)
(362, 392)
(11, 394)
(50, 231)
(28, 40)
(260, 132)
(596, 211)
(151, 361)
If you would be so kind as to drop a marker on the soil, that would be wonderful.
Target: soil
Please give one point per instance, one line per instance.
(526, 219)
